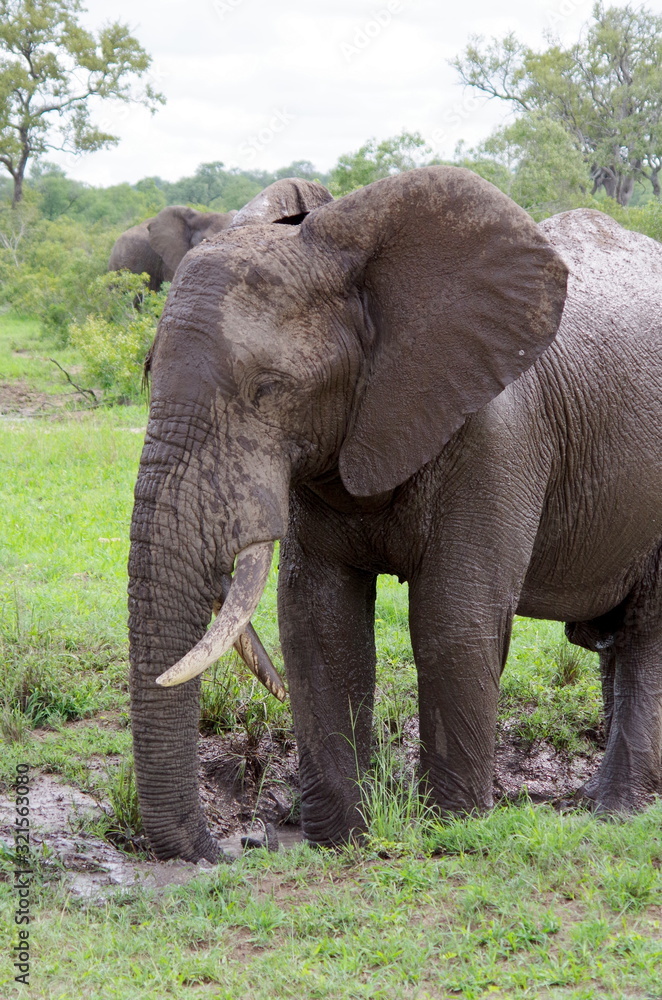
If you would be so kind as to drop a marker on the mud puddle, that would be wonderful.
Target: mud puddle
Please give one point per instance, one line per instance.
(247, 789)
(92, 868)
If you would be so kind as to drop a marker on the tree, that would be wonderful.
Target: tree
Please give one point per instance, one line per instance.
(544, 169)
(50, 70)
(605, 91)
(299, 168)
(376, 160)
(214, 187)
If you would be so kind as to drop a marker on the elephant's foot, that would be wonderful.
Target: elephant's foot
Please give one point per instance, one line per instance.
(454, 792)
(203, 848)
(609, 795)
(322, 830)
(331, 810)
(331, 821)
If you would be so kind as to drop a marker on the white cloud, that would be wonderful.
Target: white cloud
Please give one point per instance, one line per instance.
(227, 66)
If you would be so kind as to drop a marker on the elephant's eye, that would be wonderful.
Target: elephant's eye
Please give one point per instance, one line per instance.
(263, 386)
(264, 390)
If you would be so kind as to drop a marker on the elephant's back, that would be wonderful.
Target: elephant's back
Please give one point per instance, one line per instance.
(132, 251)
(608, 350)
(615, 275)
(595, 399)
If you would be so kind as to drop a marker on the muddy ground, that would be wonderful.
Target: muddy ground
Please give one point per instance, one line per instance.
(245, 790)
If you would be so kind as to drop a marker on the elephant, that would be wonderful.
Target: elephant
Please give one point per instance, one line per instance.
(157, 245)
(133, 252)
(417, 380)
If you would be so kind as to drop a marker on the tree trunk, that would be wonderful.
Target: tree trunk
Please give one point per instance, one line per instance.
(624, 189)
(17, 197)
(19, 172)
(617, 185)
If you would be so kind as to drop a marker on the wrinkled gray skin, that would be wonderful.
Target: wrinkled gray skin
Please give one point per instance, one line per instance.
(287, 202)
(157, 245)
(376, 387)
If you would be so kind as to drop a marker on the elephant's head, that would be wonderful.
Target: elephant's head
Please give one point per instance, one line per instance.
(287, 201)
(356, 342)
(177, 228)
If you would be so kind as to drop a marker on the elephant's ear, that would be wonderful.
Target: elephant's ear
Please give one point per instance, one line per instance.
(286, 201)
(170, 235)
(204, 225)
(464, 293)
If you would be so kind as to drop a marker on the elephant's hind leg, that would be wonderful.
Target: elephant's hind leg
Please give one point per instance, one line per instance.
(631, 771)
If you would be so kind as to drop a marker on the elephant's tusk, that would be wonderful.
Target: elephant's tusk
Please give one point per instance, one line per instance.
(248, 582)
(257, 660)
(252, 651)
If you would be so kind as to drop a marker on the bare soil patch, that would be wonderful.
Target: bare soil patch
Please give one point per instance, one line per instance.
(20, 399)
(540, 771)
(247, 788)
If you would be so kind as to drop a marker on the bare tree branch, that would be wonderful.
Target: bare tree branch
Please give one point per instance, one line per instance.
(78, 388)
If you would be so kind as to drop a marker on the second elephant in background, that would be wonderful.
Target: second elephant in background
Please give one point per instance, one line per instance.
(157, 245)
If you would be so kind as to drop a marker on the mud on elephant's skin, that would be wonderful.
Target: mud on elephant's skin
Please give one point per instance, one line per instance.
(157, 246)
(399, 384)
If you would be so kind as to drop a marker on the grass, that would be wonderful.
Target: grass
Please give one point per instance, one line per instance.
(25, 355)
(521, 903)
(121, 823)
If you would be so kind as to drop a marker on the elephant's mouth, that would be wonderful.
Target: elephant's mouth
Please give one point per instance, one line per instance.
(231, 625)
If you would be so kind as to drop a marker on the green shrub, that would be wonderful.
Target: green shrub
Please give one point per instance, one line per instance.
(48, 266)
(645, 218)
(114, 339)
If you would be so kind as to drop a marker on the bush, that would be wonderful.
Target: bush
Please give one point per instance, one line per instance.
(114, 339)
(47, 267)
(645, 219)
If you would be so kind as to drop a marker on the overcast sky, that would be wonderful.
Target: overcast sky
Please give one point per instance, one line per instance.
(260, 83)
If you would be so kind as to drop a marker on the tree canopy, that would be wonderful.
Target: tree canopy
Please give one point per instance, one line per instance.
(375, 160)
(50, 69)
(605, 92)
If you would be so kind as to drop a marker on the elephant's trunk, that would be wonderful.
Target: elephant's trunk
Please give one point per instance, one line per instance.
(253, 566)
(166, 618)
(184, 536)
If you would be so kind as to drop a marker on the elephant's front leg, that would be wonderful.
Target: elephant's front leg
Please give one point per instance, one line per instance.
(460, 640)
(326, 614)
